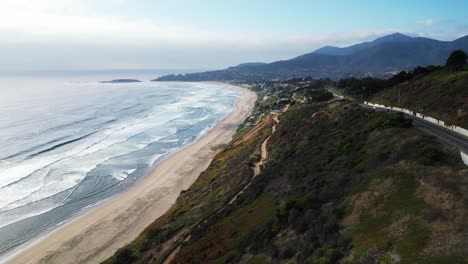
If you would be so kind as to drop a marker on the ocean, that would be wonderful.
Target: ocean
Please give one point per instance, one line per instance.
(68, 142)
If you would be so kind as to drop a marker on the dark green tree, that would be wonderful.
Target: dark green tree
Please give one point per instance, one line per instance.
(456, 60)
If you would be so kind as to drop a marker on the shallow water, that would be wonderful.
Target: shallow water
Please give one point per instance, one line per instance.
(68, 144)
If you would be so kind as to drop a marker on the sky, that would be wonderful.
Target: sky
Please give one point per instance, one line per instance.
(204, 34)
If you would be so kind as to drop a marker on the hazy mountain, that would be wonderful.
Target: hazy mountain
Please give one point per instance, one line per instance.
(249, 64)
(330, 50)
(387, 54)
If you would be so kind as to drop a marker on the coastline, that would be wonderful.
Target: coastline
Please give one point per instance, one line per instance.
(96, 234)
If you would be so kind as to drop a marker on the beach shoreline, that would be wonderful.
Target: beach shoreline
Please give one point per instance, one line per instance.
(96, 234)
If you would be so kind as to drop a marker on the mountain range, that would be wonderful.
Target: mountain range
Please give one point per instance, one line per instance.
(381, 57)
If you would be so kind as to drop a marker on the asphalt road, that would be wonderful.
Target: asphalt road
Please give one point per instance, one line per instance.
(444, 134)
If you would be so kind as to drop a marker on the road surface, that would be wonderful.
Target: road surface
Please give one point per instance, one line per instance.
(446, 135)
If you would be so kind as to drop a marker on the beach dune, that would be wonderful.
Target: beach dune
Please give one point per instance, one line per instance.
(100, 232)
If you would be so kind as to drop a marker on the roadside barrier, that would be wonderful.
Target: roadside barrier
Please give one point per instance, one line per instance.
(435, 121)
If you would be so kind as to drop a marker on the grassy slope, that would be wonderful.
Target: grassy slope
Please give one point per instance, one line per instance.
(356, 187)
(331, 164)
(225, 177)
(441, 94)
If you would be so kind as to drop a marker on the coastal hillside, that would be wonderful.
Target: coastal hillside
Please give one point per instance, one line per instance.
(442, 94)
(233, 132)
(381, 57)
(326, 181)
(436, 91)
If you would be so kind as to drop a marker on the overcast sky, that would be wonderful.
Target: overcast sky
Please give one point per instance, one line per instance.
(203, 34)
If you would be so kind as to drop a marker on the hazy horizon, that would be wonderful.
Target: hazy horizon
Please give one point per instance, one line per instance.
(50, 35)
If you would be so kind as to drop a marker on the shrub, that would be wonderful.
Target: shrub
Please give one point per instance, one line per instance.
(324, 256)
(125, 256)
(319, 96)
(456, 60)
(428, 153)
(383, 121)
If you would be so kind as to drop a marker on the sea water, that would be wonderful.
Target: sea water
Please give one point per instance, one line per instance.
(69, 143)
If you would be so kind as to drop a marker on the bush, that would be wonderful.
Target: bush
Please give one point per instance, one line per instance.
(319, 96)
(429, 153)
(456, 60)
(125, 256)
(324, 256)
(388, 121)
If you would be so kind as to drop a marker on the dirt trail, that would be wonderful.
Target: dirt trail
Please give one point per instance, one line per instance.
(263, 153)
(264, 149)
(263, 158)
(256, 170)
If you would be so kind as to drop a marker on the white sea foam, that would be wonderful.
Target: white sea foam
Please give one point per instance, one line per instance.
(84, 142)
(11, 173)
(122, 175)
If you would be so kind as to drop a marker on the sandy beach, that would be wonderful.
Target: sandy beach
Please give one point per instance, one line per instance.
(98, 233)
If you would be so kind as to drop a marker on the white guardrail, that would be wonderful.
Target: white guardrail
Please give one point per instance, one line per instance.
(464, 157)
(440, 123)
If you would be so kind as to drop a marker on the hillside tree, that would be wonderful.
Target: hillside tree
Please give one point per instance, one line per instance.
(456, 60)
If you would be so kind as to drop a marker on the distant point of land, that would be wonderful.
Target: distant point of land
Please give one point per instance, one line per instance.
(122, 81)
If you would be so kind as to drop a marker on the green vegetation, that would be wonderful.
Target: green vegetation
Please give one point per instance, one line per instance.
(363, 88)
(258, 260)
(375, 233)
(428, 152)
(318, 96)
(456, 60)
(444, 260)
(199, 206)
(125, 255)
(368, 233)
(413, 242)
(220, 242)
(435, 91)
(388, 121)
(336, 91)
(440, 94)
(351, 185)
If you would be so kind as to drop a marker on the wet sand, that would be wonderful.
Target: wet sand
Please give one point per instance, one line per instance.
(100, 232)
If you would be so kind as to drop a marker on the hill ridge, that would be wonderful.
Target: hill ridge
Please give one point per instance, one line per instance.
(381, 57)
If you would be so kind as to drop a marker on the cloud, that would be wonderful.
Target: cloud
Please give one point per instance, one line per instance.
(84, 42)
(49, 36)
(428, 22)
(67, 34)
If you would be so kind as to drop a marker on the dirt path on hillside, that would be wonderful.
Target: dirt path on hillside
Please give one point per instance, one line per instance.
(256, 171)
(264, 149)
(263, 154)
